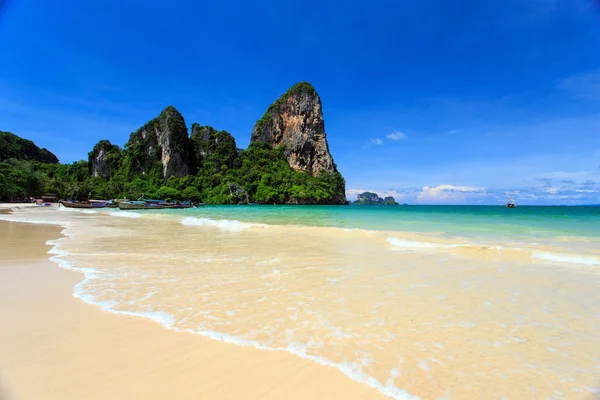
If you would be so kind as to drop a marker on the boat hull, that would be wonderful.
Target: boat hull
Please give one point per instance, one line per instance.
(81, 204)
(177, 206)
(138, 205)
(151, 204)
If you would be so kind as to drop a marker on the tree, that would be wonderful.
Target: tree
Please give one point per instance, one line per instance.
(165, 192)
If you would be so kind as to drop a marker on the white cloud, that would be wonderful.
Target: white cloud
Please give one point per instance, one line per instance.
(449, 194)
(457, 194)
(352, 194)
(396, 135)
(375, 141)
(585, 85)
(441, 194)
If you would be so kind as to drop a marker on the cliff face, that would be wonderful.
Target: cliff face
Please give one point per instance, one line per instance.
(100, 160)
(163, 140)
(210, 145)
(295, 120)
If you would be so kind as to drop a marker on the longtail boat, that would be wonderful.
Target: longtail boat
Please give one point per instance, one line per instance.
(138, 205)
(88, 204)
(178, 204)
(151, 204)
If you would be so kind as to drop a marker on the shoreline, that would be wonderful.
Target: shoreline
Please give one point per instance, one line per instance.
(56, 347)
(246, 289)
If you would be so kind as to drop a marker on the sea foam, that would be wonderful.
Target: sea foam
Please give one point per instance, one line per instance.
(411, 244)
(222, 224)
(125, 214)
(566, 258)
(418, 245)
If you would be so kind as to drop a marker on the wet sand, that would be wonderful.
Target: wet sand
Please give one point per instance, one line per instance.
(53, 346)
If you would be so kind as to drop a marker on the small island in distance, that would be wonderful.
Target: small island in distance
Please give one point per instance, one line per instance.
(370, 198)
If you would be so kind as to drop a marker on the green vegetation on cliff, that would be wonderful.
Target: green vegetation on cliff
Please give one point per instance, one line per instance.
(166, 136)
(213, 150)
(19, 173)
(12, 146)
(222, 174)
(161, 160)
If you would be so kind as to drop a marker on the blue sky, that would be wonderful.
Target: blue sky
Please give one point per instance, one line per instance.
(428, 101)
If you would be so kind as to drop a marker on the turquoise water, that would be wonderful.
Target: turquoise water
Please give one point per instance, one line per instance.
(465, 221)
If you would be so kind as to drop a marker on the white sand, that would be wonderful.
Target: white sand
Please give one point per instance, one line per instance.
(53, 346)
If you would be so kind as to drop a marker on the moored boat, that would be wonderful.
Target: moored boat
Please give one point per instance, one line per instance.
(42, 203)
(177, 204)
(88, 204)
(151, 204)
(138, 205)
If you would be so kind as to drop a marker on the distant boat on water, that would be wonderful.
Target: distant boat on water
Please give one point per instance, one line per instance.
(511, 203)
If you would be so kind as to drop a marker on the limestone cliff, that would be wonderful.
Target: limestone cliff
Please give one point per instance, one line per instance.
(295, 121)
(102, 158)
(162, 142)
(210, 145)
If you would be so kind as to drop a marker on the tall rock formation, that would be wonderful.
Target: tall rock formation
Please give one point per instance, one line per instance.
(210, 145)
(103, 158)
(295, 120)
(162, 142)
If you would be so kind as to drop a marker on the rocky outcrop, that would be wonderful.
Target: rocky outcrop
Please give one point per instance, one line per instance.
(210, 145)
(390, 201)
(238, 193)
(295, 121)
(162, 142)
(102, 158)
(370, 198)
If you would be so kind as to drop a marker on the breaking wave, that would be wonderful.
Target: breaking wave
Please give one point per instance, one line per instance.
(125, 214)
(222, 224)
(566, 258)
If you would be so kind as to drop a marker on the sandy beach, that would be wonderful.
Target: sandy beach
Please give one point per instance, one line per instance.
(54, 346)
(181, 305)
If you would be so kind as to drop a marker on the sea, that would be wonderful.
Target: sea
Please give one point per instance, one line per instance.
(429, 302)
